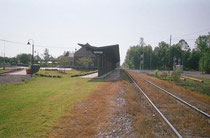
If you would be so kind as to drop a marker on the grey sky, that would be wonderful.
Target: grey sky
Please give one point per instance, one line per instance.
(64, 23)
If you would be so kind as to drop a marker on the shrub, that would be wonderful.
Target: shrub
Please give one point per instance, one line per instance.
(175, 75)
(156, 73)
(164, 75)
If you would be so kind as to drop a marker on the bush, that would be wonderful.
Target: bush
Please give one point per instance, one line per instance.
(164, 75)
(156, 73)
(175, 75)
(50, 76)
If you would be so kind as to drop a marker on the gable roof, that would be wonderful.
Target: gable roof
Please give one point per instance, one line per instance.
(83, 52)
(111, 52)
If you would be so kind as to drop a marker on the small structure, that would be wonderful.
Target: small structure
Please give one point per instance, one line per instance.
(107, 57)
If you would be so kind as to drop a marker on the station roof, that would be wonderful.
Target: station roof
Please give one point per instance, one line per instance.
(111, 52)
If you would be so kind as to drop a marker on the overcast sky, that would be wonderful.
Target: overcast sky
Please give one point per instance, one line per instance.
(64, 23)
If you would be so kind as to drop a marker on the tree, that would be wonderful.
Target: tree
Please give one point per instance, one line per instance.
(141, 42)
(203, 45)
(63, 61)
(46, 55)
(163, 54)
(194, 59)
(133, 57)
(24, 58)
(84, 62)
(184, 45)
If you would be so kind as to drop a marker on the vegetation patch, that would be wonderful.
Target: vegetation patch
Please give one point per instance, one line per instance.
(29, 109)
(203, 88)
(196, 86)
(4, 71)
(50, 76)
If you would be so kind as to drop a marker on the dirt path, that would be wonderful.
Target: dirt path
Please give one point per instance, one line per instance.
(99, 116)
(114, 110)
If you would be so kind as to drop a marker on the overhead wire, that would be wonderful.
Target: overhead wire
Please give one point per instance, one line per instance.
(37, 45)
(193, 33)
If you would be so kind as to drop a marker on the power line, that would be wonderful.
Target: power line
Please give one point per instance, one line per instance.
(194, 32)
(38, 45)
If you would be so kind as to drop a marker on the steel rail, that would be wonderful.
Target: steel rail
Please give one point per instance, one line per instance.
(174, 96)
(164, 118)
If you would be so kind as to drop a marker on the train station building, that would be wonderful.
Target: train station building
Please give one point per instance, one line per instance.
(107, 57)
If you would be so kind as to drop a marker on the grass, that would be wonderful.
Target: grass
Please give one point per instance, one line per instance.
(203, 88)
(196, 86)
(29, 109)
(3, 71)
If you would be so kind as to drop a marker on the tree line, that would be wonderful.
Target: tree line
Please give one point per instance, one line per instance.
(164, 56)
(47, 60)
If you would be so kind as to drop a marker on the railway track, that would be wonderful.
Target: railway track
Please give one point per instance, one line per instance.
(171, 119)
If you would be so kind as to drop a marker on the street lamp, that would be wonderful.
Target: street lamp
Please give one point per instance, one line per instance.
(32, 57)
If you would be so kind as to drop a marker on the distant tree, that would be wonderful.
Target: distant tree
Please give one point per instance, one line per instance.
(203, 45)
(63, 61)
(46, 55)
(133, 55)
(184, 45)
(194, 59)
(84, 62)
(37, 59)
(141, 42)
(24, 58)
(163, 54)
(132, 59)
(147, 57)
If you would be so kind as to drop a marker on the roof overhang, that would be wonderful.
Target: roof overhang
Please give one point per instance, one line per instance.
(111, 52)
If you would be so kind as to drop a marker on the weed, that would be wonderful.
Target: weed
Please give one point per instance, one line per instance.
(163, 75)
(156, 73)
(175, 76)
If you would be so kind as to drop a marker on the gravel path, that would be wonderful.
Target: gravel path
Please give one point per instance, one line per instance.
(121, 123)
(14, 77)
(10, 79)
